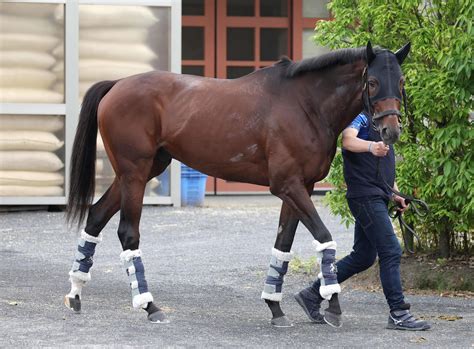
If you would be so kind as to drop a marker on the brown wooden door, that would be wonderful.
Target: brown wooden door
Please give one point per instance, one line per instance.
(231, 38)
(251, 34)
(198, 37)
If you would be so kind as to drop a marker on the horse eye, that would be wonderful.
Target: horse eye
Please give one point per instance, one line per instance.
(373, 85)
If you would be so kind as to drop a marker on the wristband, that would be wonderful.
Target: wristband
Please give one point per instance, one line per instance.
(370, 146)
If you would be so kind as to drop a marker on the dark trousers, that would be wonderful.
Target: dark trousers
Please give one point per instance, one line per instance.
(374, 235)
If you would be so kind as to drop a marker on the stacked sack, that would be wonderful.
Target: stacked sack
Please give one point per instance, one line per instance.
(113, 44)
(28, 34)
(29, 164)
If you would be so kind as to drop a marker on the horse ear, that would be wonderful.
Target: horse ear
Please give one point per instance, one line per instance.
(370, 53)
(402, 53)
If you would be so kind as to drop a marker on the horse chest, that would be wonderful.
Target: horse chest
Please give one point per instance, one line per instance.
(318, 164)
(315, 155)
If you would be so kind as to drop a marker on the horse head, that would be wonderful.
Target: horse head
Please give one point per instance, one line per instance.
(384, 90)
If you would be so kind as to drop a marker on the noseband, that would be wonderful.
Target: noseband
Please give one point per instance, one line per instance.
(386, 113)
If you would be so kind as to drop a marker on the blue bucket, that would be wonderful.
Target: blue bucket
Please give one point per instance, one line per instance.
(193, 186)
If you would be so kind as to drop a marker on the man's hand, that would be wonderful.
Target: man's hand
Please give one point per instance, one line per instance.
(378, 148)
(402, 206)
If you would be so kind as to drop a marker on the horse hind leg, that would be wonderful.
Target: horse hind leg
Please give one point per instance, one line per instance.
(132, 185)
(98, 216)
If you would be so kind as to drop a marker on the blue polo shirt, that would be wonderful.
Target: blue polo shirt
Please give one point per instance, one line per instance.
(360, 123)
(360, 169)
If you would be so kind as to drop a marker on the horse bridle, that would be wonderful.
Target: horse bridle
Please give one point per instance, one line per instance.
(368, 106)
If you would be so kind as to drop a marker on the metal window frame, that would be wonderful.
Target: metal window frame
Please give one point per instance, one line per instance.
(70, 108)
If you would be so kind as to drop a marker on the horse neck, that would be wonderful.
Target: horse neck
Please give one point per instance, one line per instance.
(335, 95)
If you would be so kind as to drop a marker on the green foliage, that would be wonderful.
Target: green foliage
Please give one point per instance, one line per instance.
(436, 147)
(301, 266)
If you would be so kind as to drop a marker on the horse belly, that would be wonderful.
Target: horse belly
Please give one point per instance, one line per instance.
(233, 157)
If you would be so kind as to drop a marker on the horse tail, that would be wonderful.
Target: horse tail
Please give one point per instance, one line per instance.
(82, 168)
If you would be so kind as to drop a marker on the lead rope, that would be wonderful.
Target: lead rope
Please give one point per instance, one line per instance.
(419, 207)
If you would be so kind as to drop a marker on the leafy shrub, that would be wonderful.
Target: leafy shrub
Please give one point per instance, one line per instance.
(436, 147)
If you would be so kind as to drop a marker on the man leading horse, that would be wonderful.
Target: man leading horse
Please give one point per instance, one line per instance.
(276, 127)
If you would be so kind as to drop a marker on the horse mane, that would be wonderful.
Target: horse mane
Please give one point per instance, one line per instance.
(336, 57)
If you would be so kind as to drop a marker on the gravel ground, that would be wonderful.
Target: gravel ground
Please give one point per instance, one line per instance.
(206, 268)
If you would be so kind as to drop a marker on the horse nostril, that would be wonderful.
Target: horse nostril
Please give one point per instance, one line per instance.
(384, 131)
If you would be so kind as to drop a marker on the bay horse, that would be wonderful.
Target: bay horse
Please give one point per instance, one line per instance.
(276, 127)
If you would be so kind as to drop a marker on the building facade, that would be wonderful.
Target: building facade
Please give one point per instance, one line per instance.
(52, 51)
(232, 38)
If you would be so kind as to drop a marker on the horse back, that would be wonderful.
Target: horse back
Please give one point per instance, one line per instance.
(216, 126)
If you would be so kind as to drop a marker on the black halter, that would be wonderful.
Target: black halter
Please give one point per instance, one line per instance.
(368, 105)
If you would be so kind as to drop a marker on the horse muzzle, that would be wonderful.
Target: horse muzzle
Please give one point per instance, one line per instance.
(389, 126)
(390, 135)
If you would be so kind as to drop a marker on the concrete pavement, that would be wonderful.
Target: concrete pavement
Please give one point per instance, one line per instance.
(206, 268)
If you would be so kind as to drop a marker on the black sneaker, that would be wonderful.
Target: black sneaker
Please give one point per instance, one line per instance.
(310, 301)
(403, 320)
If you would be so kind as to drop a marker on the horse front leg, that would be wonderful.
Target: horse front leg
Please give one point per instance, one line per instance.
(281, 255)
(293, 192)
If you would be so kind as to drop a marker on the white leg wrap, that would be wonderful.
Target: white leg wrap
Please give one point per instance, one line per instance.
(277, 297)
(76, 288)
(91, 238)
(325, 290)
(142, 300)
(272, 289)
(128, 255)
(77, 277)
(133, 264)
(283, 256)
(322, 246)
(80, 276)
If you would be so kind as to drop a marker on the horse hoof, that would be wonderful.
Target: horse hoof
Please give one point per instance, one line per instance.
(281, 321)
(334, 320)
(73, 303)
(158, 317)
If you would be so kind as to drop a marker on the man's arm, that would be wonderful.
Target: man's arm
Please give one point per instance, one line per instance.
(351, 142)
